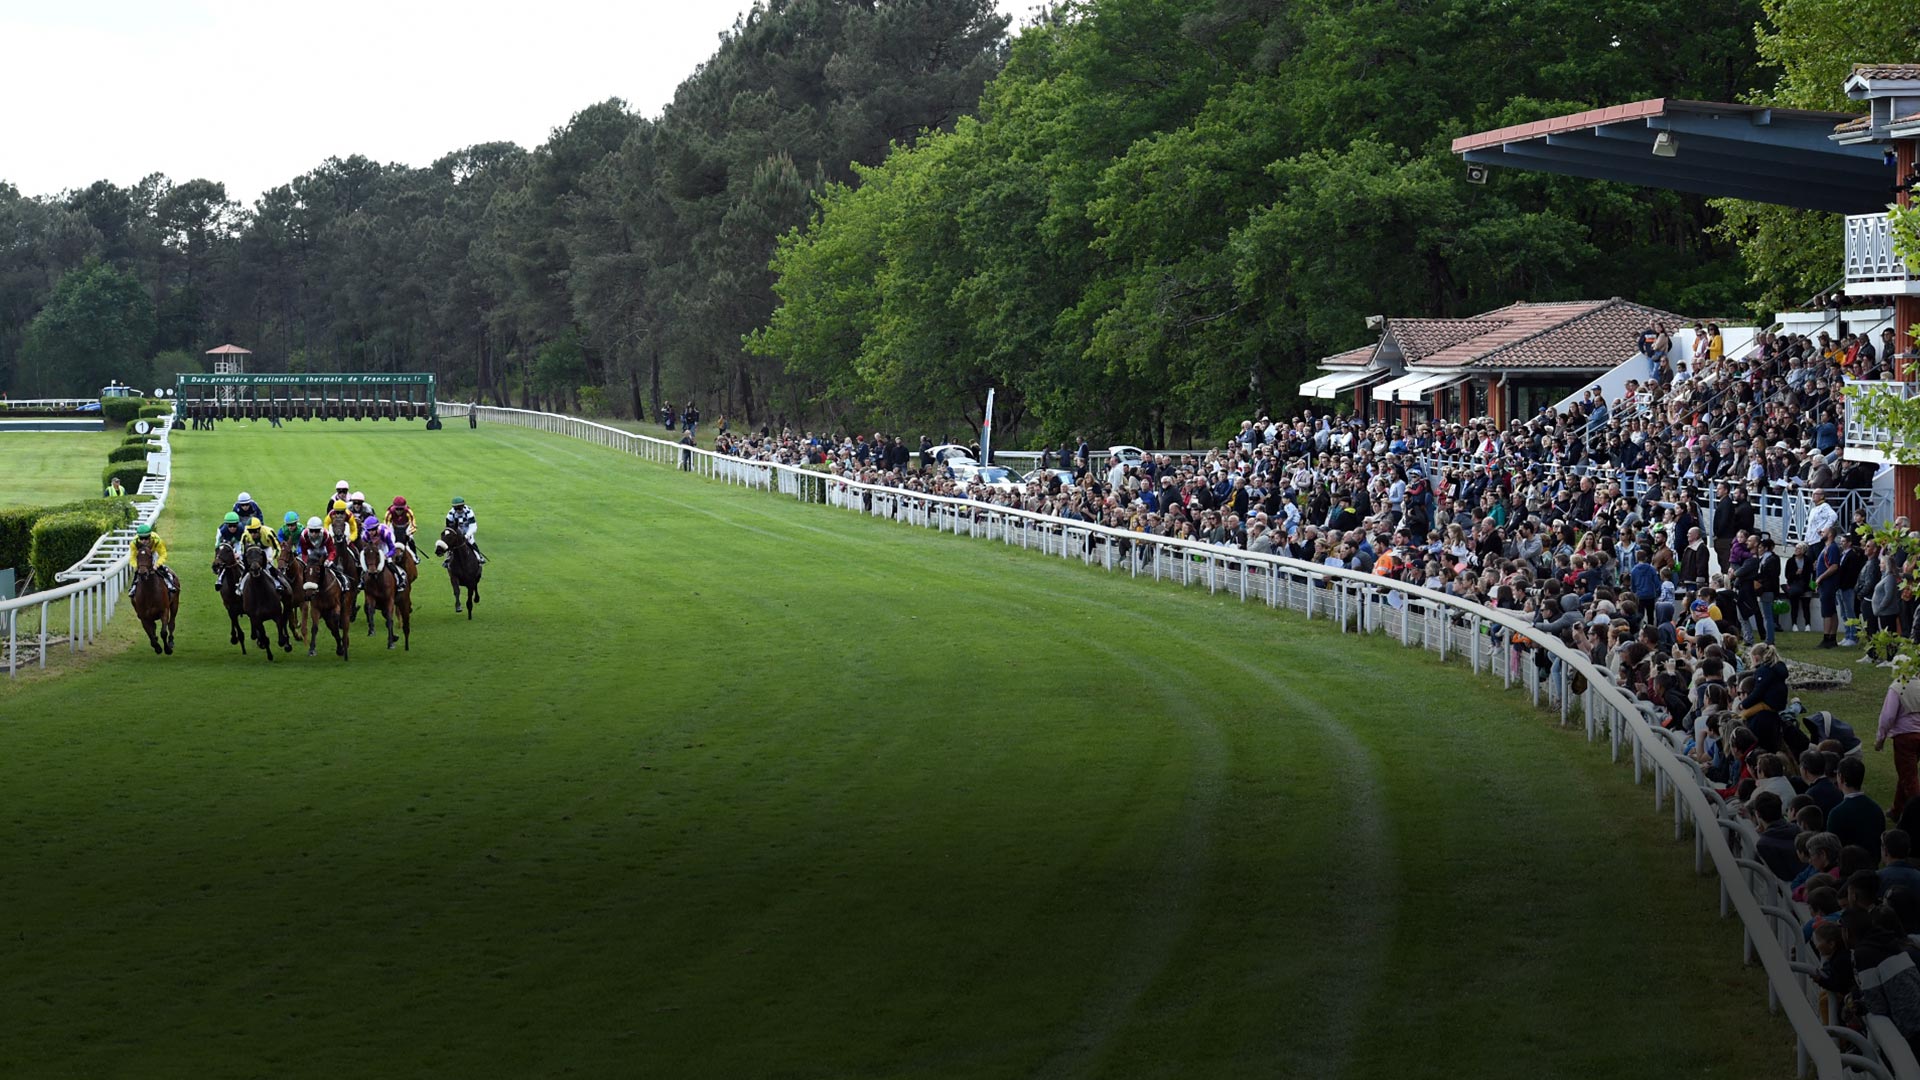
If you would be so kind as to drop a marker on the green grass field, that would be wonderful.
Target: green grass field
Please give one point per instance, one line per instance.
(38, 467)
(721, 785)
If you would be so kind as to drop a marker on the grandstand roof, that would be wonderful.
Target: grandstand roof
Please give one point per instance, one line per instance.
(1784, 156)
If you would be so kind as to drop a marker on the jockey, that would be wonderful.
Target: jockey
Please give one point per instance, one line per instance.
(247, 508)
(314, 538)
(400, 520)
(461, 517)
(339, 495)
(144, 535)
(373, 527)
(289, 534)
(357, 506)
(229, 536)
(341, 525)
(258, 535)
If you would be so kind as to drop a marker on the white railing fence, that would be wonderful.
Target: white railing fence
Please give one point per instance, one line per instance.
(94, 584)
(1365, 603)
(46, 403)
(1870, 256)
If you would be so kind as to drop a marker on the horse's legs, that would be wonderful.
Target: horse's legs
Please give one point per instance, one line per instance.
(152, 639)
(473, 597)
(456, 596)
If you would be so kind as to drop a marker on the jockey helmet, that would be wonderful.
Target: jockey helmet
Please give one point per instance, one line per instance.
(399, 500)
(292, 518)
(253, 523)
(458, 501)
(143, 529)
(358, 497)
(313, 523)
(231, 518)
(244, 498)
(341, 486)
(338, 506)
(370, 523)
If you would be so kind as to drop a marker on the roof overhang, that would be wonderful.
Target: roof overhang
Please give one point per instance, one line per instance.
(1334, 383)
(1782, 156)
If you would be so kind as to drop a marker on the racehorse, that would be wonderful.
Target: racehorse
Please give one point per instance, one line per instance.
(344, 552)
(228, 565)
(153, 601)
(327, 598)
(264, 602)
(295, 572)
(377, 579)
(463, 566)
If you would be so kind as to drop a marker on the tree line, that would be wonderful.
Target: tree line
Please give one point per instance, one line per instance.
(1135, 217)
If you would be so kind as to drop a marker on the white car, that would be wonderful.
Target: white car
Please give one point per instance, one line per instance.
(949, 452)
(969, 472)
(1127, 455)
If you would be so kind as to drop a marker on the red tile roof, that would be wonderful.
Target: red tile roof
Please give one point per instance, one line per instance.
(1887, 71)
(1858, 123)
(1352, 357)
(1421, 338)
(1600, 337)
(1497, 329)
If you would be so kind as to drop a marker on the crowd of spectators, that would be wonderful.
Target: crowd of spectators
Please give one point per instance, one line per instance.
(1592, 522)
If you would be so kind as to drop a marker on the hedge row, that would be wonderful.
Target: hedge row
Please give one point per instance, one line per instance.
(119, 410)
(16, 527)
(130, 452)
(148, 412)
(60, 540)
(129, 472)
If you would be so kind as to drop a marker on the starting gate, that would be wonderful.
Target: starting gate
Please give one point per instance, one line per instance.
(314, 396)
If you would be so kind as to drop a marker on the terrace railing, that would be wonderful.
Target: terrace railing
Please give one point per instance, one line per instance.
(1490, 640)
(93, 585)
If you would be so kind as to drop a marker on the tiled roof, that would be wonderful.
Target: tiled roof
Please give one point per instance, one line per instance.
(1599, 337)
(1421, 338)
(1858, 123)
(1352, 357)
(1887, 71)
(1500, 328)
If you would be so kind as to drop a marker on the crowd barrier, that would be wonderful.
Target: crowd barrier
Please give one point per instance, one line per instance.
(95, 584)
(1418, 617)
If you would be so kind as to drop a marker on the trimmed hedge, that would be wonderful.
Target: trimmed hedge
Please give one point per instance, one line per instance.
(148, 412)
(129, 472)
(119, 410)
(16, 526)
(60, 540)
(143, 441)
(129, 452)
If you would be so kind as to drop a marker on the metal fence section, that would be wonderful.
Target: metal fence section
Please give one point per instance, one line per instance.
(1493, 642)
(94, 584)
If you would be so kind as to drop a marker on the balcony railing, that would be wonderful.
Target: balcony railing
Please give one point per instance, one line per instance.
(1873, 269)
(1864, 440)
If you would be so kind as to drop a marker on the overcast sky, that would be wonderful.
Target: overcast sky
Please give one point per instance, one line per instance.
(255, 92)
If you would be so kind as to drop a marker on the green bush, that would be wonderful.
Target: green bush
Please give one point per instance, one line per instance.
(119, 410)
(130, 452)
(145, 441)
(16, 526)
(152, 410)
(60, 540)
(129, 472)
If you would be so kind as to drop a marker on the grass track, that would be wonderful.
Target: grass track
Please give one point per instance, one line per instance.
(721, 785)
(39, 467)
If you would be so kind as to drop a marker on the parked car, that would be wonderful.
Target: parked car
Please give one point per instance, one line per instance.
(994, 476)
(940, 455)
(1130, 455)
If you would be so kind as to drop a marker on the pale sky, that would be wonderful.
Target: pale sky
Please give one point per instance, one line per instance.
(255, 92)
